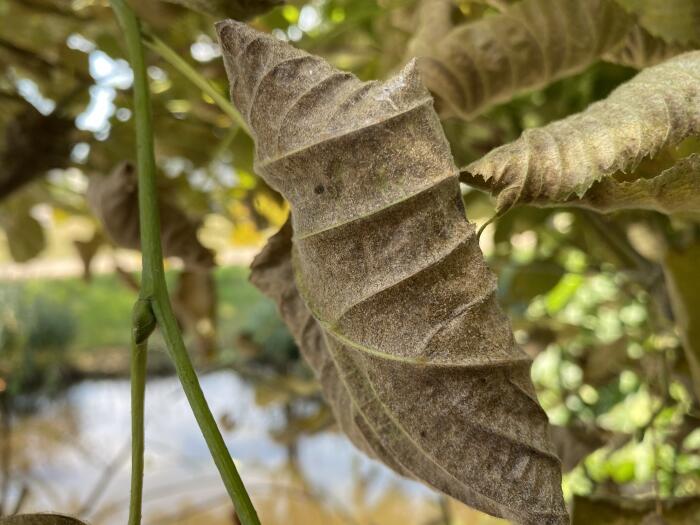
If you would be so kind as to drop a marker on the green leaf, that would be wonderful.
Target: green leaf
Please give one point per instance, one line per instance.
(563, 292)
(658, 108)
(25, 235)
(390, 270)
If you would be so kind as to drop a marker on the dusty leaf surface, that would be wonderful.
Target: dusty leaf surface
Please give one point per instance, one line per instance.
(532, 43)
(391, 274)
(675, 190)
(657, 108)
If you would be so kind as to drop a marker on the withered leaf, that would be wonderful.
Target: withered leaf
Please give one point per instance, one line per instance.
(532, 43)
(676, 190)
(392, 275)
(272, 273)
(619, 511)
(641, 49)
(39, 519)
(114, 201)
(657, 108)
(672, 20)
(239, 9)
(194, 302)
(87, 251)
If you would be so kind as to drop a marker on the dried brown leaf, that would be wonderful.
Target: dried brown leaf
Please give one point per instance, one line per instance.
(675, 191)
(87, 251)
(272, 273)
(194, 301)
(114, 201)
(529, 45)
(641, 49)
(672, 20)
(389, 271)
(657, 108)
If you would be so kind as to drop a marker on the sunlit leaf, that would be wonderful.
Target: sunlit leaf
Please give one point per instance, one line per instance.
(532, 43)
(658, 108)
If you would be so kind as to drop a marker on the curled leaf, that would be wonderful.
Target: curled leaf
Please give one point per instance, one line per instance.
(272, 273)
(114, 201)
(657, 108)
(675, 191)
(527, 46)
(641, 49)
(391, 272)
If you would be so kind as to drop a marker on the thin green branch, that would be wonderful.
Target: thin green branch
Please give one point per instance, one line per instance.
(139, 353)
(154, 302)
(186, 70)
(143, 323)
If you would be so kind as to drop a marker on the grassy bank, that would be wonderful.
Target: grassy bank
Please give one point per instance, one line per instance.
(88, 324)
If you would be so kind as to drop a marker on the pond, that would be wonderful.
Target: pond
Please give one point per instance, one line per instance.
(71, 454)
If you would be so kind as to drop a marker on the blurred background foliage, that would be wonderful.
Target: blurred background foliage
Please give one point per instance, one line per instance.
(607, 306)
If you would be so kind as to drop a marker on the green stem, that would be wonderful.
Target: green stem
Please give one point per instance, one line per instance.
(191, 74)
(139, 353)
(154, 297)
